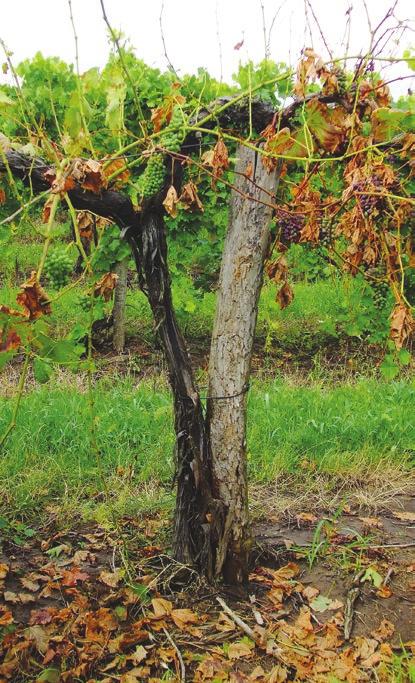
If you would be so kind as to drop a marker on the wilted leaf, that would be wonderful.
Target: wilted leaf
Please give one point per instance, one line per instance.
(85, 221)
(277, 270)
(285, 295)
(306, 518)
(49, 676)
(372, 522)
(217, 159)
(29, 583)
(189, 197)
(94, 178)
(402, 324)
(170, 202)
(98, 625)
(47, 209)
(33, 298)
(42, 616)
(320, 604)
(112, 167)
(224, 623)
(310, 592)
(105, 286)
(326, 124)
(10, 343)
(39, 636)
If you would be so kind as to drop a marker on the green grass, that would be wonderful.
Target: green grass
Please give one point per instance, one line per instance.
(300, 328)
(48, 458)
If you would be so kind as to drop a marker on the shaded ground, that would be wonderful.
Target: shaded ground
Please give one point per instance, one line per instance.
(92, 605)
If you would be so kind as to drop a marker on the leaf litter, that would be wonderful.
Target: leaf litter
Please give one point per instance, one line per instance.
(70, 610)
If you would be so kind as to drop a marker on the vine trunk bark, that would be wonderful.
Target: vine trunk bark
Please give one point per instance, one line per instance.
(198, 518)
(244, 253)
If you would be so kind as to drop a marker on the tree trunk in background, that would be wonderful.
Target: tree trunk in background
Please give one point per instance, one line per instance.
(244, 253)
(118, 311)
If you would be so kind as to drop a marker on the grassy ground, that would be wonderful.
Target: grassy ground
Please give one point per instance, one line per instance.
(313, 428)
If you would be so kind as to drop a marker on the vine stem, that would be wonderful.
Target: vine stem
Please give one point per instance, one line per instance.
(20, 387)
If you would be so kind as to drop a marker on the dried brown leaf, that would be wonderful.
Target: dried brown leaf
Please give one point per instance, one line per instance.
(170, 202)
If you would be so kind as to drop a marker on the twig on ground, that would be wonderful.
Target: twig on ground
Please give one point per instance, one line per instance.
(238, 621)
(179, 655)
(352, 595)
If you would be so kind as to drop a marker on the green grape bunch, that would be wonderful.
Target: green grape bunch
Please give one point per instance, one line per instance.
(84, 301)
(326, 234)
(173, 137)
(152, 178)
(376, 276)
(58, 268)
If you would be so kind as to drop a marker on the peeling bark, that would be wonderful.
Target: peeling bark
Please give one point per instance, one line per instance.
(240, 283)
(197, 515)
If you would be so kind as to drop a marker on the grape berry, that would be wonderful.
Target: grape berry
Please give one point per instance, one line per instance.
(58, 268)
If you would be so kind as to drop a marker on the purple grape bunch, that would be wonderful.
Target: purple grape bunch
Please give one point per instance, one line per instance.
(368, 202)
(290, 225)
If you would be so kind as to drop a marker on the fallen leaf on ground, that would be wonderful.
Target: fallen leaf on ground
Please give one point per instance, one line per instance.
(242, 648)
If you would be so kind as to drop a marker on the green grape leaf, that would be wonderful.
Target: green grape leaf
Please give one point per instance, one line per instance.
(389, 367)
(4, 100)
(42, 370)
(409, 57)
(5, 356)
